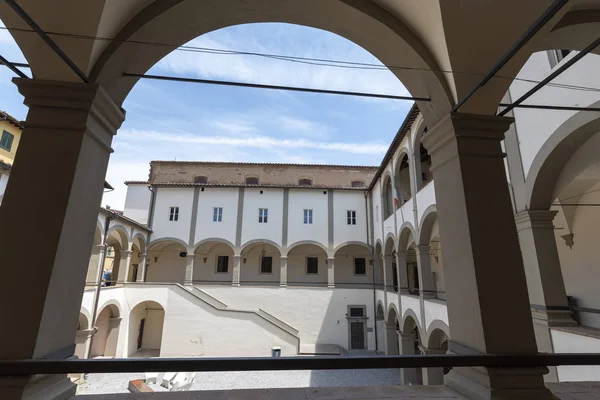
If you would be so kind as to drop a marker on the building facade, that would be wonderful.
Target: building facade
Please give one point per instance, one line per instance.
(326, 259)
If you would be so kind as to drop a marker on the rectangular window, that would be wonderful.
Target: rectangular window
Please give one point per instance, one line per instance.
(308, 216)
(351, 217)
(360, 266)
(222, 264)
(266, 265)
(263, 214)
(6, 140)
(173, 213)
(217, 214)
(312, 265)
(357, 312)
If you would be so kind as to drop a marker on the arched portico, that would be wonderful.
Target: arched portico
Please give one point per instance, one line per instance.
(261, 263)
(391, 329)
(166, 260)
(378, 265)
(95, 263)
(308, 264)
(437, 343)
(118, 257)
(403, 174)
(410, 339)
(353, 266)
(105, 340)
(215, 262)
(378, 29)
(388, 197)
(389, 264)
(429, 252)
(146, 322)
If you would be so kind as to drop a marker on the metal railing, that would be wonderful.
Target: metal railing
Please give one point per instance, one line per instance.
(37, 367)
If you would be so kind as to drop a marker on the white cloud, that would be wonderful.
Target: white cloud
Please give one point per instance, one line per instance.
(263, 142)
(302, 127)
(255, 69)
(234, 127)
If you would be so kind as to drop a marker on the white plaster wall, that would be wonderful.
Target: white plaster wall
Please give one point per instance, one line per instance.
(580, 264)
(165, 264)
(307, 199)
(388, 227)
(319, 314)
(250, 270)
(344, 200)
(535, 126)
(568, 342)
(411, 303)
(253, 200)
(392, 299)
(425, 198)
(217, 197)
(137, 203)
(344, 266)
(435, 310)
(166, 198)
(406, 214)
(207, 271)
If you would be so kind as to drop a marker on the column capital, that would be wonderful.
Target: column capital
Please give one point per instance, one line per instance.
(331, 259)
(535, 219)
(190, 256)
(99, 248)
(126, 253)
(422, 249)
(237, 257)
(467, 135)
(283, 258)
(89, 98)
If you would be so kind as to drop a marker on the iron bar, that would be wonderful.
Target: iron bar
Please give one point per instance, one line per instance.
(551, 77)
(274, 87)
(556, 6)
(35, 367)
(27, 18)
(550, 107)
(13, 68)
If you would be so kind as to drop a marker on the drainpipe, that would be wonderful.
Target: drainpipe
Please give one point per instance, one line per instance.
(99, 280)
(369, 225)
(150, 221)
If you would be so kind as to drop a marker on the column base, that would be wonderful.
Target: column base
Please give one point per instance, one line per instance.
(509, 383)
(235, 284)
(283, 284)
(39, 387)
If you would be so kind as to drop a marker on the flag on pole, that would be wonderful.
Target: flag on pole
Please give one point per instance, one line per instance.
(396, 198)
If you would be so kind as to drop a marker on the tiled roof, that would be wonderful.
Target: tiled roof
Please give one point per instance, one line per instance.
(119, 215)
(243, 164)
(4, 116)
(260, 186)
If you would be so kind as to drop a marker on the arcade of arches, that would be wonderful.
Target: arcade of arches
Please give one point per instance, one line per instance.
(465, 150)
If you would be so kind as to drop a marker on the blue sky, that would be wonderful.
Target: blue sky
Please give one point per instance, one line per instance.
(183, 121)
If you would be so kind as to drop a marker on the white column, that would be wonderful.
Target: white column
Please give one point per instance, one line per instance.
(95, 264)
(388, 279)
(426, 286)
(547, 294)
(124, 266)
(391, 337)
(402, 269)
(283, 271)
(331, 272)
(235, 279)
(189, 269)
(68, 131)
(406, 343)
(488, 304)
(141, 272)
(433, 376)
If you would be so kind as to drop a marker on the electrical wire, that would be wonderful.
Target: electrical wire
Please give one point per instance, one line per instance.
(302, 60)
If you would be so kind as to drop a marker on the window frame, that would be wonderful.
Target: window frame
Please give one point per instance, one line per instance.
(217, 214)
(305, 182)
(173, 213)
(263, 215)
(217, 265)
(306, 265)
(201, 176)
(365, 266)
(260, 265)
(351, 218)
(11, 140)
(308, 213)
(252, 177)
(357, 184)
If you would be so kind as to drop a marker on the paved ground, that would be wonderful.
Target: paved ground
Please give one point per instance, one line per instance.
(117, 383)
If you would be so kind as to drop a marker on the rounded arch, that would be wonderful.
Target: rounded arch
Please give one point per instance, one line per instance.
(146, 321)
(305, 242)
(352, 243)
(121, 235)
(379, 313)
(406, 232)
(150, 302)
(84, 321)
(575, 30)
(393, 316)
(217, 240)
(410, 322)
(153, 243)
(426, 225)
(115, 308)
(378, 245)
(388, 196)
(250, 243)
(141, 242)
(437, 332)
(390, 244)
(554, 155)
(366, 24)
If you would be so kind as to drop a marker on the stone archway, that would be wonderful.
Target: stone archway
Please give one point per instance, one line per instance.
(105, 340)
(146, 322)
